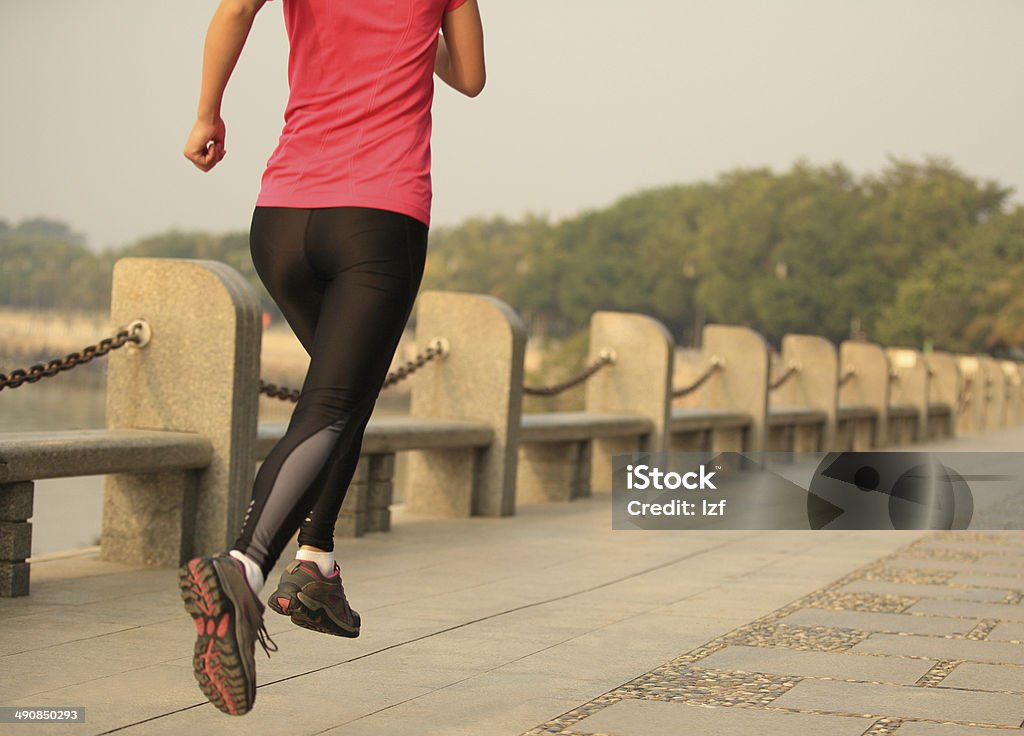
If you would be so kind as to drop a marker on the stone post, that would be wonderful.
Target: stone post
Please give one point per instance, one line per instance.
(480, 378)
(639, 382)
(868, 386)
(1014, 399)
(814, 385)
(910, 384)
(971, 409)
(944, 385)
(741, 382)
(995, 393)
(199, 373)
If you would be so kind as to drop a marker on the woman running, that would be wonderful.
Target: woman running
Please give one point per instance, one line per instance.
(339, 239)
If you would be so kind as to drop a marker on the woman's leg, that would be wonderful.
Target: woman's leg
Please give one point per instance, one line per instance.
(364, 267)
(277, 245)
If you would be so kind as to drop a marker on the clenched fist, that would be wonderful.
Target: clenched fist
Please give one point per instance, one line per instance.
(205, 145)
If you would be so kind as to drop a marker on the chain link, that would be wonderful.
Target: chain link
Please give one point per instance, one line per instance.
(684, 390)
(292, 394)
(964, 400)
(135, 333)
(791, 371)
(557, 388)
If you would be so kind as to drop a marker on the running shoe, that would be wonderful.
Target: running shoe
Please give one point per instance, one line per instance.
(315, 601)
(229, 621)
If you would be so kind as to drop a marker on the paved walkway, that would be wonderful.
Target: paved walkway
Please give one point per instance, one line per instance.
(550, 622)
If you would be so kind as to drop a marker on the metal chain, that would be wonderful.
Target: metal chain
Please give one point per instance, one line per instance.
(606, 358)
(292, 394)
(784, 377)
(965, 395)
(412, 365)
(279, 392)
(137, 332)
(684, 390)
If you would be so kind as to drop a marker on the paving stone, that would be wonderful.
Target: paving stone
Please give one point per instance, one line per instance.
(1003, 555)
(817, 664)
(999, 611)
(656, 718)
(917, 728)
(898, 623)
(901, 701)
(989, 566)
(938, 648)
(909, 590)
(983, 547)
(971, 676)
(1007, 632)
(980, 580)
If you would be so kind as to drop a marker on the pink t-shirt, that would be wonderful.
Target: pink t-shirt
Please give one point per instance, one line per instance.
(357, 125)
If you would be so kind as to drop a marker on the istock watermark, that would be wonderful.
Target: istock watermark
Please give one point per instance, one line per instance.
(642, 477)
(817, 490)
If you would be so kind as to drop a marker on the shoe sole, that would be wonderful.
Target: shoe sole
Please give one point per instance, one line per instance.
(309, 614)
(217, 661)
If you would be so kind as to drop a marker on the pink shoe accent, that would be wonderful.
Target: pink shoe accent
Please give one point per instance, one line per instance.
(284, 602)
(222, 627)
(205, 602)
(212, 673)
(313, 567)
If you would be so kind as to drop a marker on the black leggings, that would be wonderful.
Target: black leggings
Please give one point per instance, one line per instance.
(345, 279)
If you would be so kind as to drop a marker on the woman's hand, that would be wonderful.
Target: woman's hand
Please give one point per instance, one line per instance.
(225, 38)
(205, 145)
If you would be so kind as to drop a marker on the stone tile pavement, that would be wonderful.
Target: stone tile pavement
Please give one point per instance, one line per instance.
(550, 622)
(907, 645)
(472, 626)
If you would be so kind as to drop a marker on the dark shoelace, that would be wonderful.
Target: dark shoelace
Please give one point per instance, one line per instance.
(263, 636)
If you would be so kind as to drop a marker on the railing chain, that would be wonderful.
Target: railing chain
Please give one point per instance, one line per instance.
(716, 364)
(606, 357)
(964, 399)
(137, 332)
(792, 370)
(436, 348)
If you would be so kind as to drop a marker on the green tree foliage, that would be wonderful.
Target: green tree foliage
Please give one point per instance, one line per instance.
(919, 253)
(966, 296)
(45, 265)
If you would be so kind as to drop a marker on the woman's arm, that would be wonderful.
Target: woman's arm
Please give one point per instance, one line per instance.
(460, 51)
(224, 41)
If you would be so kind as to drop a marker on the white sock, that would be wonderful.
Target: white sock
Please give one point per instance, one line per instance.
(253, 573)
(323, 560)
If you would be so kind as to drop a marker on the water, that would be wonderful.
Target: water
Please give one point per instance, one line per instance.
(67, 512)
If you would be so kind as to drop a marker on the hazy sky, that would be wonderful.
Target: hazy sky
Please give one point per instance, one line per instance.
(587, 100)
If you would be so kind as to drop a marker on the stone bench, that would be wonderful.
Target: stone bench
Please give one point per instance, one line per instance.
(940, 420)
(795, 429)
(855, 428)
(903, 424)
(367, 505)
(700, 429)
(555, 451)
(32, 456)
